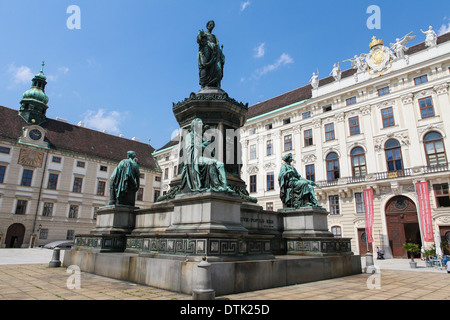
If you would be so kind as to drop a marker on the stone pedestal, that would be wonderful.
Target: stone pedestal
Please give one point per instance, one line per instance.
(305, 222)
(114, 223)
(306, 233)
(207, 213)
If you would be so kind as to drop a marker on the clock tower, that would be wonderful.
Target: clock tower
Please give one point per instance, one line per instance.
(33, 106)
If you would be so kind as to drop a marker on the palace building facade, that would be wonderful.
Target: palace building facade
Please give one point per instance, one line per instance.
(381, 125)
(54, 175)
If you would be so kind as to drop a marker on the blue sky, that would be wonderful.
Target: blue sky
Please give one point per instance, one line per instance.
(131, 59)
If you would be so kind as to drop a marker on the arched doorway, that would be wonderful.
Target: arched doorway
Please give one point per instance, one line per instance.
(14, 235)
(402, 224)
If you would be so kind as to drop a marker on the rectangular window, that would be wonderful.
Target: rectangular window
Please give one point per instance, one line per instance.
(140, 194)
(268, 126)
(327, 108)
(426, 107)
(359, 202)
(73, 211)
(387, 116)
(104, 168)
(308, 137)
(288, 143)
(77, 184)
(70, 234)
(420, 80)
(56, 159)
(48, 209)
(253, 152)
(52, 181)
(21, 206)
(270, 181)
(167, 158)
(166, 173)
(156, 194)
(306, 115)
(101, 186)
(26, 177)
(350, 101)
(383, 91)
(175, 171)
(269, 206)
(253, 183)
(310, 172)
(5, 150)
(269, 147)
(157, 178)
(251, 131)
(81, 164)
(442, 195)
(43, 234)
(334, 204)
(329, 132)
(354, 125)
(287, 121)
(2, 173)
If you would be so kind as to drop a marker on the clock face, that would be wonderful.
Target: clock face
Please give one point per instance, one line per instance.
(35, 134)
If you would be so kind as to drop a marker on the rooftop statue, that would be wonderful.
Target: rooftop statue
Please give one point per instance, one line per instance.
(358, 62)
(399, 46)
(295, 191)
(431, 37)
(124, 181)
(210, 58)
(200, 172)
(336, 72)
(314, 80)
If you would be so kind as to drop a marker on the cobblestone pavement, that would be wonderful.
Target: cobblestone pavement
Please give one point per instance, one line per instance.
(39, 282)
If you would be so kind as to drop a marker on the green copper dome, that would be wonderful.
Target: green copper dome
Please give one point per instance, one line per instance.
(36, 94)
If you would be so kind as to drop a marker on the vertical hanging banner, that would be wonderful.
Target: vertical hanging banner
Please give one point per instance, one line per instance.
(368, 208)
(425, 210)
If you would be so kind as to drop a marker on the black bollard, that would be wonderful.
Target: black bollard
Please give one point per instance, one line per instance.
(55, 262)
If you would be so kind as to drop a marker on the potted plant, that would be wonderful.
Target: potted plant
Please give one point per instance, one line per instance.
(411, 248)
(428, 254)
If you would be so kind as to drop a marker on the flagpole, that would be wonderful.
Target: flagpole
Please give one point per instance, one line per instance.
(419, 214)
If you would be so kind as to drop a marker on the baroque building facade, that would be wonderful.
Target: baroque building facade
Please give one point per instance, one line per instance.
(54, 175)
(381, 125)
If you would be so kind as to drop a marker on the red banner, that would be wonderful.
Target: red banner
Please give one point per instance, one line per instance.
(425, 210)
(368, 208)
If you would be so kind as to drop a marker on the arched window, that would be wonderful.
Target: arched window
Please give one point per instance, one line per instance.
(358, 162)
(332, 166)
(434, 148)
(393, 155)
(336, 230)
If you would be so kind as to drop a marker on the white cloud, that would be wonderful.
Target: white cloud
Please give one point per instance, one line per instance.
(21, 74)
(444, 29)
(63, 70)
(244, 5)
(101, 120)
(260, 50)
(283, 60)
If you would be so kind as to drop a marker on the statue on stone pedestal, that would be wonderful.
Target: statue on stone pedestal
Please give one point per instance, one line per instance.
(295, 191)
(124, 181)
(202, 172)
(431, 37)
(210, 58)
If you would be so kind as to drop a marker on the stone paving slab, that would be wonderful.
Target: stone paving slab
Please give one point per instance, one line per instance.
(39, 282)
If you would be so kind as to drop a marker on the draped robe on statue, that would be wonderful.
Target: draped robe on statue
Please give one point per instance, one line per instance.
(124, 182)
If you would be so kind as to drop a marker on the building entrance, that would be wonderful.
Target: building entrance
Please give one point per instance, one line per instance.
(402, 225)
(15, 235)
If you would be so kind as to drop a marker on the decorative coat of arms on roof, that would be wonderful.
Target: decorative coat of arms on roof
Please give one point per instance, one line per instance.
(380, 58)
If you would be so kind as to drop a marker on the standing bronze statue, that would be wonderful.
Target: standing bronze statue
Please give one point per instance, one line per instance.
(124, 181)
(210, 58)
(295, 191)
